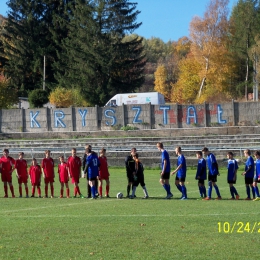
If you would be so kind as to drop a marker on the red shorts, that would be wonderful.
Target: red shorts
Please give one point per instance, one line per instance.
(65, 182)
(48, 180)
(22, 179)
(74, 180)
(6, 177)
(102, 178)
(36, 184)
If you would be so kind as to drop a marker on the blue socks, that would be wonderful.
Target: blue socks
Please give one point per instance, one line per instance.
(209, 191)
(253, 191)
(179, 187)
(217, 190)
(233, 191)
(257, 191)
(167, 187)
(93, 191)
(184, 191)
(248, 191)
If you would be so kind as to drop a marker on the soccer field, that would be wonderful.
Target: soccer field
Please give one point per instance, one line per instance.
(111, 228)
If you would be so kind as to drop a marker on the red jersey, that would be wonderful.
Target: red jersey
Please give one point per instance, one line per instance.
(103, 168)
(63, 172)
(74, 165)
(21, 167)
(7, 163)
(35, 174)
(48, 167)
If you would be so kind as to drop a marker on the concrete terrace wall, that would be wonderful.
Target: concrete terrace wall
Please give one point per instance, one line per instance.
(141, 117)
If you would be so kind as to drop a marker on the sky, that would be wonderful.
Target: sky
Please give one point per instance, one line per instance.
(164, 19)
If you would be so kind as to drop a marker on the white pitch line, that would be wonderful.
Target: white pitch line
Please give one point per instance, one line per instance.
(136, 215)
(72, 204)
(52, 206)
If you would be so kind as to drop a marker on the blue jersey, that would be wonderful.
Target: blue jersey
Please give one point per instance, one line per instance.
(181, 173)
(250, 162)
(165, 156)
(257, 169)
(212, 164)
(232, 168)
(92, 164)
(201, 169)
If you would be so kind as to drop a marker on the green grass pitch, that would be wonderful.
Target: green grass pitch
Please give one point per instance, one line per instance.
(111, 228)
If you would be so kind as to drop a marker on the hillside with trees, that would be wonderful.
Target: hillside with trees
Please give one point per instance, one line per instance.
(91, 47)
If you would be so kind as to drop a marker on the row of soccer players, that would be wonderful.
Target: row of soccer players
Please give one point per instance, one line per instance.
(251, 174)
(93, 167)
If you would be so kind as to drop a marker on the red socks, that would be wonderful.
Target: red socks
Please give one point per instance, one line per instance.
(107, 189)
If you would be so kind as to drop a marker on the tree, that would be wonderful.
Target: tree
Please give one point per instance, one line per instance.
(156, 49)
(37, 98)
(245, 25)
(127, 70)
(2, 58)
(8, 96)
(22, 45)
(27, 38)
(62, 97)
(209, 45)
(182, 47)
(185, 90)
(99, 59)
(161, 83)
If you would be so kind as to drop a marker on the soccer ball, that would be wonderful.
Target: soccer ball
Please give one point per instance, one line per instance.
(119, 195)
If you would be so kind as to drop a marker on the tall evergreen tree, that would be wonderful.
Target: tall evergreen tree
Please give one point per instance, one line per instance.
(27, 38)
(98, 58)
(2, 57)
(128, 67)
(22, 44)
(77, 63)
(116, 19)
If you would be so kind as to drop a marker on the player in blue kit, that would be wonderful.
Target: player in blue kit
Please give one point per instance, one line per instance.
(201, 174)
(257, 175)
(166, 169)
(181, 173)
(232, 175)
(92, 168)
(212, 173)
(249, 174)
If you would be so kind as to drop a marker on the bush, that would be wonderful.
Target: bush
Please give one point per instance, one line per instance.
(37, 98)
(8, 96)
(62, 97)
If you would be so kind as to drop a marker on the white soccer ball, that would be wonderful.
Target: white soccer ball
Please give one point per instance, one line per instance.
(119, 195)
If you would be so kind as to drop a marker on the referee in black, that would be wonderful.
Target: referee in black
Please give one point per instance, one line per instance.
(130, 170)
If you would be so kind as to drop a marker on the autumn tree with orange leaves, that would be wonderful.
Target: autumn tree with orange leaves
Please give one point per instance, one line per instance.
(183, 90)
(209, 37)
(167, 72)
(206, 72)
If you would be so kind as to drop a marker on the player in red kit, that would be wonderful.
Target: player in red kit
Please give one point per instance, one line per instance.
(63, 176)
(7, 167)
(74, 167)
(103, 173)
(35, 176)
(48, 172)
(22, 174)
